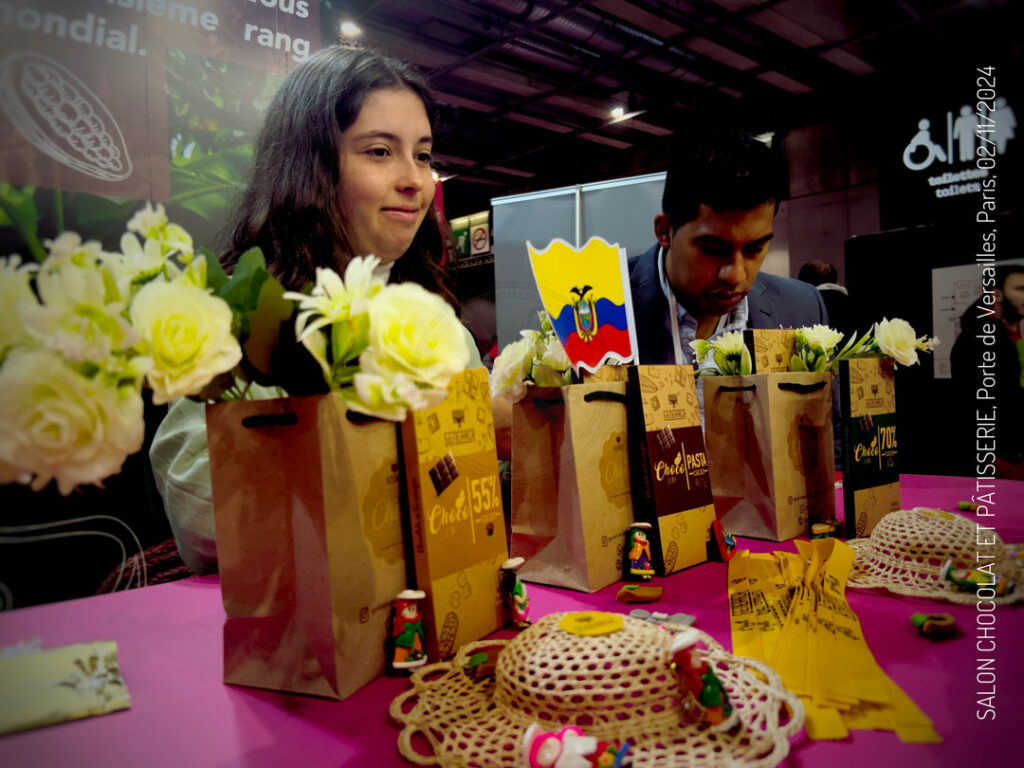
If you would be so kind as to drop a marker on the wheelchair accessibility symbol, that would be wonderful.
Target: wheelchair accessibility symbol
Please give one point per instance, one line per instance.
(922, 141)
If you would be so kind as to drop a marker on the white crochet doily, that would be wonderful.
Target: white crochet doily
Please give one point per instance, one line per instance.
(614, 687)
(907, 550)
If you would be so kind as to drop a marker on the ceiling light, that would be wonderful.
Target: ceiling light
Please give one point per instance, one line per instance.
(618, 112)
(350, 29)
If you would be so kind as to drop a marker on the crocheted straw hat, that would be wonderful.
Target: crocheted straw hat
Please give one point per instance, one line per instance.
(614, 687)
(908, 552)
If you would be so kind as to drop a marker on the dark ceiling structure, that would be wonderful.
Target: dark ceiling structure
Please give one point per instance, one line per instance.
(528, 86)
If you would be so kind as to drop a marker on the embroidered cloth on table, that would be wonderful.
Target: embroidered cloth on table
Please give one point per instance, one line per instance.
(616, 687)
(790, 611)
(46, 687)
(910, 553)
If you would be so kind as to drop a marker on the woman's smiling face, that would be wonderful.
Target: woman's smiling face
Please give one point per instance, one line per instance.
(386, 181)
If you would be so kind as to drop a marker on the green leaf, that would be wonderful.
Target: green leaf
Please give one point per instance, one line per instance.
(341, 343)
(215, 274)
(797, 364)
(272, 309)
(18, 210)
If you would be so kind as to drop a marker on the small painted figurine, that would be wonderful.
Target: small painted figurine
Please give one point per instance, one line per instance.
(407, 631)
(696, 677)
(725, 544)
(971, 580)
(935, 625)
(571, 748)
(638, 550)
(514, 591)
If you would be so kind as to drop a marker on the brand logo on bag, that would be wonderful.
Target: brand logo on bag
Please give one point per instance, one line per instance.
(684, 464)
(459, 437)
(484, 498)
(882, 446)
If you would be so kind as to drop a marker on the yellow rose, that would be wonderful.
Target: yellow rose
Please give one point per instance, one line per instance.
(415, 333)
(189, 337)
(896, 339)
(57, 424)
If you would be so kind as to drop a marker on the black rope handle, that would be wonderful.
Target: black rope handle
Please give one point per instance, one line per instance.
(548, 402)
(270, 420)
(801, 389)
(603, 394)
(748, 388)
(355, 417)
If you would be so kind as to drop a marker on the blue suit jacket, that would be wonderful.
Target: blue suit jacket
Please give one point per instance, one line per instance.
(774, 302)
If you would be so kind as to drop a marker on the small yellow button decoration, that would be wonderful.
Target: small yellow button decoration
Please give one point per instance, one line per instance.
(591, 623)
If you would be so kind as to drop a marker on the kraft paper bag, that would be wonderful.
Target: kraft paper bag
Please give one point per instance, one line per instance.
(456, 517)
(871, 473)
(671, 483)
(309, 541)
(571, 502)
(770, 450)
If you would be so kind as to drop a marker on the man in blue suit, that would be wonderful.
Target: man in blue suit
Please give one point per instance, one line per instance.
(713, 233)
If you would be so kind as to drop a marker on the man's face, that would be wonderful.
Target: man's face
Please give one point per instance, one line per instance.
(1012, 296)
(712, 261)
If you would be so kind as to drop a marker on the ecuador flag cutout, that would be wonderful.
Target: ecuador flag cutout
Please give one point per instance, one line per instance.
(586, 293)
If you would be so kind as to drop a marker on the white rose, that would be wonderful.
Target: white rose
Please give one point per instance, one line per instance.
(896, 339)
(415, 333)
(57, 424)
(510, 369)
(189, 335)
(552, 354)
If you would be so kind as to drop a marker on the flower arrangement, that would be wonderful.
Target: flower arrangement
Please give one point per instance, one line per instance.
(85, 330)
(725, 355)
(896, 338)
(537, 358)
(816, 348)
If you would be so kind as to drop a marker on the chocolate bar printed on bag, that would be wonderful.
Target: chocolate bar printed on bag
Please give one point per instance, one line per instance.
(871, 477)
(571, 501)
(309, 542)
(769, 439)
(458, 541)
(671, 482)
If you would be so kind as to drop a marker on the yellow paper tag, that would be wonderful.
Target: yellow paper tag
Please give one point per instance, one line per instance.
(591, 623)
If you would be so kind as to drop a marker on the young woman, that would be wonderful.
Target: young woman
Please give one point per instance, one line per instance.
(342, 168)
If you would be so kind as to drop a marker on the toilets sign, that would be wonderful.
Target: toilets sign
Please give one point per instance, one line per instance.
(971, 138)
(943, 159)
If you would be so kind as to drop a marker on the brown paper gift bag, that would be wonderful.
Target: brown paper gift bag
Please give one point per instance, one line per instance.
(309, 542)
(769, 442)
(456, 516)
(571, 503)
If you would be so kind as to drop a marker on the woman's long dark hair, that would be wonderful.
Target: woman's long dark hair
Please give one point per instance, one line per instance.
(291, 208)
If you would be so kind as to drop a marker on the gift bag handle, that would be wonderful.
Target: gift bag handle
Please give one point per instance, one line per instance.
(801, 389)
(257, 420)
(748, 388)
(603, 394)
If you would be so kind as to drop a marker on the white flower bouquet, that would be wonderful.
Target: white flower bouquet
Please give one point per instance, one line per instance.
(896, 338)
(724, 355)
(84, 331)
(537, 358)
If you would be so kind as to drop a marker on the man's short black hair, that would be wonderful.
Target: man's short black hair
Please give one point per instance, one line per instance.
(725, 171)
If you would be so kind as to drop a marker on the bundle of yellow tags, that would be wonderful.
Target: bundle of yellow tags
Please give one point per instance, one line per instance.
(789, 610)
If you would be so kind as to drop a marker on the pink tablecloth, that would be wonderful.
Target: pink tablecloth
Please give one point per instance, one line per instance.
(169, 639)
